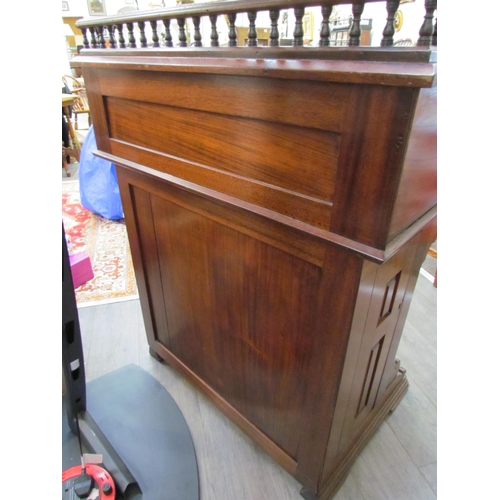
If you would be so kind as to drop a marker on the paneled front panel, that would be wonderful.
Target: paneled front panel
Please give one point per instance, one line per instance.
(387, 298)
(306, 209)
(240, 315)
(297, 159)
(386, 287)
(322, 105)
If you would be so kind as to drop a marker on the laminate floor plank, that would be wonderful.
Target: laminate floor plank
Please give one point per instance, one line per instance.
(349, 490)
(423, 310)
(86, 318)
(237, 466)
(385, 471)
(414, 422)
(420, 360)
(430, 474)
(114, 341)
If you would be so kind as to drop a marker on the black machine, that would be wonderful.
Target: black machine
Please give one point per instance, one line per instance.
(128, 418)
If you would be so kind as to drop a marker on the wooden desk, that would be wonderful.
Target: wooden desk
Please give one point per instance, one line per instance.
(68, 100)
(277, 229)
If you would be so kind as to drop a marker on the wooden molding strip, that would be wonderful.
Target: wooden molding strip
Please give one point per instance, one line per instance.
(403, 74)
(366, 251)
(322, 234)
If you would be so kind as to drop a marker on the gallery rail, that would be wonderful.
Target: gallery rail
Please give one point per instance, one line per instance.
(95, 31)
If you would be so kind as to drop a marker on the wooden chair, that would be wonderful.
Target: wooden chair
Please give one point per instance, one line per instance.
(81, 105)
(404, 42)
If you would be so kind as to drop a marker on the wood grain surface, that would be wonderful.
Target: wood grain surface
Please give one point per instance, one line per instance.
(277, 238)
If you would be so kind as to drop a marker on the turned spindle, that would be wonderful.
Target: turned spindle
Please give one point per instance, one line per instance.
(131, 38)
(100, 37)
(142, 34)
(252, 31)
(274, 36)
(326, 11)
(197, 33)
(121, 38)
(93, 41)
(181, 22)
(298, 34)
(168, 35)
(155, 37)
(214, 36)
(355, 31)
(233, 42)
(425, 33)
(388, 33)
(86, 43)
(112, 41)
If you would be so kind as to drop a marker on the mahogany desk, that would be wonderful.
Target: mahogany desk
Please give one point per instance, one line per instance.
(279, 205)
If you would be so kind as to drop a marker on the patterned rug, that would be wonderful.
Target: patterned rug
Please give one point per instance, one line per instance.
(106, 243)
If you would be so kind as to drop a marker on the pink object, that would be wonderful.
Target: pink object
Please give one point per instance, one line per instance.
(81, 269)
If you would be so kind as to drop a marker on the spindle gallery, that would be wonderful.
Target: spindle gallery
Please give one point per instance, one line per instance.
(97, 27)
(279, 202)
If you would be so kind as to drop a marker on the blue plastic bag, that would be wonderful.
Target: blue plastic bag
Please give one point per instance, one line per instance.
(99, 191)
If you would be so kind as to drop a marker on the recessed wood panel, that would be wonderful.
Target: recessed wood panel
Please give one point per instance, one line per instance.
(304, 208)
(240, 314)
(418, 185)
(320, 105)
(389, 288)
(297, 159)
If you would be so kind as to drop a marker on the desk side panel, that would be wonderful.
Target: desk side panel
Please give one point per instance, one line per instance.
(256, 315)
(417, 192)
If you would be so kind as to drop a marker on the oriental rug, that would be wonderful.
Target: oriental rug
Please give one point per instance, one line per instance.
(106, 243)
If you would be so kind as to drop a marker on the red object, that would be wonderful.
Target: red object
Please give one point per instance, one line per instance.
(81, 268)
(101, 478)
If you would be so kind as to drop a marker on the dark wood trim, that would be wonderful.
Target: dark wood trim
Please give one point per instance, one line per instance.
(409, 232)
(418, 75)
(310, 210)
(236, 417)
(364, 250)
(368, 182)
(337, 293)
(371, 253)
(96, 103)
(148, 272)
(378, 54)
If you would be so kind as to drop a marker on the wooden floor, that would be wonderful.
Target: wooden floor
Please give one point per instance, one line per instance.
(399, 463)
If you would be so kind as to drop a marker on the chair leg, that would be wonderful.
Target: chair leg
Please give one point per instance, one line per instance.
(65, 166)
